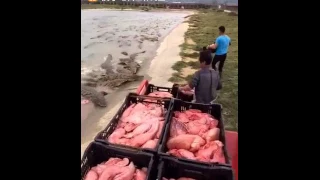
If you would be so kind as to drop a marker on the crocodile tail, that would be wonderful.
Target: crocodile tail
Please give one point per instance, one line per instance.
(139, 78)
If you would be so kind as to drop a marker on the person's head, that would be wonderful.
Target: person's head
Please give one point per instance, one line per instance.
(222, 29)
(205, 57)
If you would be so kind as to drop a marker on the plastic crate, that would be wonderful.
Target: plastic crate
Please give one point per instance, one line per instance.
(172, 168)
(213, 109)
(133, 98)
(152, 88)
(97, 153)
(142, 87)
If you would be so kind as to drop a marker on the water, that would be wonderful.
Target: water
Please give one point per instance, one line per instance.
(106, 32)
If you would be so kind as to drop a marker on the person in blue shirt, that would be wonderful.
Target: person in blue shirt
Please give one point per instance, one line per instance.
(220, 48)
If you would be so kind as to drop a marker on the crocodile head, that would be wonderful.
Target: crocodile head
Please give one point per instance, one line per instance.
(103, 93)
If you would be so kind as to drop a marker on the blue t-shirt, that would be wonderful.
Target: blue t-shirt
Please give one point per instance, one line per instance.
(223, 42)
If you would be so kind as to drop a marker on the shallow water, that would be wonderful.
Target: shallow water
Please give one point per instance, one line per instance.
(106, 32)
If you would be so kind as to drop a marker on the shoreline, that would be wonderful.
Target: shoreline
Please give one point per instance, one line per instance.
(159, 70)
(168, 53)
(163, 10)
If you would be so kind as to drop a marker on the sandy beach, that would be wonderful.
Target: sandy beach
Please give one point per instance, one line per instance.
(158, 71)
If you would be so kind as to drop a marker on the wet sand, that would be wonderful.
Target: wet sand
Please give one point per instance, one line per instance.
(158, 71)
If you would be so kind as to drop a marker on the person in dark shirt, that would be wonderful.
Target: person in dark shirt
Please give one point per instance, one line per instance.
(205, 81)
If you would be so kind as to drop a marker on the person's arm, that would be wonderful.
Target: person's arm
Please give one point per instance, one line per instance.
(215, 45)
(193, 83)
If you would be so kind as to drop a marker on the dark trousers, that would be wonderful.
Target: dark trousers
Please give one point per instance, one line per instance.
(221, 59)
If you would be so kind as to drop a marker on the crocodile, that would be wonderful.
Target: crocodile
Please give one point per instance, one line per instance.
(118, 82)
(124, 53)
(133, 67)
(90, 79)
(115, 82)
(91, 84)
(123, 70)
(97, 98)
(115, 76)
(134, 55)
(124, 61)
(106, 64)
(129, 64)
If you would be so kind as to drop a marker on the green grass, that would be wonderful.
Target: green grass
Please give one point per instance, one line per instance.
(176, 77)
(204, 30)
(178, 66)
(193, 64)
(191, 55)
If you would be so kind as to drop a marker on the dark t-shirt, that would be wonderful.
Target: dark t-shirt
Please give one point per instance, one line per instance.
(205, 91)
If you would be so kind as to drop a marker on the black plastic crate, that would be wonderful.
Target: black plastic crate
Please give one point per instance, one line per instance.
(173, 168)
(97, 153)
(213, 109)
(152, 88)
(133, 98)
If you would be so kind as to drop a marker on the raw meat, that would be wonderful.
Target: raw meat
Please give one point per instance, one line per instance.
(140, 139)
(212, 134)
(117, 134)
(127, 112)
(186, 141)
(127, 172)
(99, 168)
(140, 126)
(124, 162)
(177, 128)
(150, 144)
(112, 161)
(195, 135)
(182, 153)
(140, 175)
(116, 169)
(160, 94)
(92, 175)
(181, 116)
(130, 126)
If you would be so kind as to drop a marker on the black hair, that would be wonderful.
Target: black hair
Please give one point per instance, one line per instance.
(205, 56)
(222, 29)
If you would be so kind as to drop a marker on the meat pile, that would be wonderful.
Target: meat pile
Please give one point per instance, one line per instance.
(140, 126)
(195, 135)
(116, 169)
(182, 178)
(160, 94)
